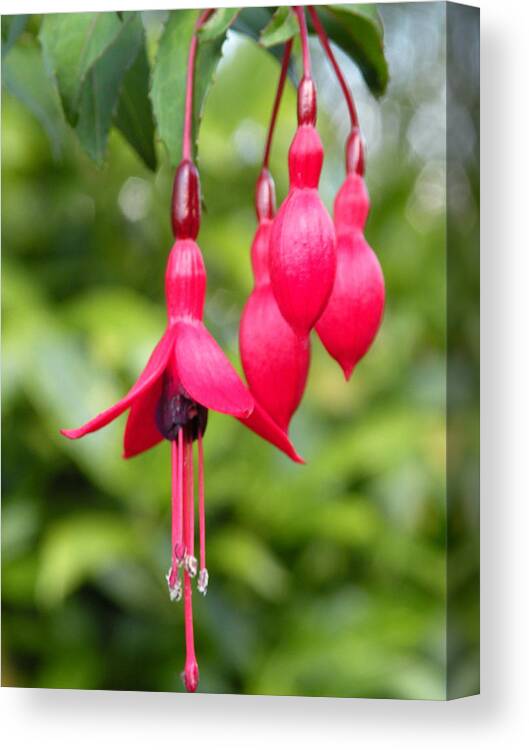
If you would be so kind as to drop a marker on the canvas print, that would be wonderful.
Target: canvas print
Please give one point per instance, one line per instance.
(240, 350)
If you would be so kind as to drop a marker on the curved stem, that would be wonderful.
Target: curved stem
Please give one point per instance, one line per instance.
(324, 40)
(304, 37)
(188, 112)
(277, 102)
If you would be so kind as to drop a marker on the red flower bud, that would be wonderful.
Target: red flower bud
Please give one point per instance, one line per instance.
(302, 249)
(353, 314)
(274, 359)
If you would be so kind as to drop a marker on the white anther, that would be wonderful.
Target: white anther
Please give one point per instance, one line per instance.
(203, 579)
(191, 565)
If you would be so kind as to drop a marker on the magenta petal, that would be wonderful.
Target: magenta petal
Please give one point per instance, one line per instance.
(353, 314)
(302, 258)
(141, 432)
(275, 360)
(206, 373)
(154, 369)
(264, 426)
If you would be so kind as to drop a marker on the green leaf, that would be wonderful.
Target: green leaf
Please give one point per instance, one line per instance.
(72, 44)
(12, 28)
(134, 115)
(169, 77)
(80, 547)
(25, 78)
(283, 26)
(102, 86)
(358, 31)
(218, 24)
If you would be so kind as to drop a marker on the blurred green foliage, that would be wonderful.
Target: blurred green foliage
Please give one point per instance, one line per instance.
(326, 579)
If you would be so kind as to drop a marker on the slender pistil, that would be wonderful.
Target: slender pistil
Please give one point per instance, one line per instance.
(203, 577)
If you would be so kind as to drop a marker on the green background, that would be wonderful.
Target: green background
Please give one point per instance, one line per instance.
(327, 579)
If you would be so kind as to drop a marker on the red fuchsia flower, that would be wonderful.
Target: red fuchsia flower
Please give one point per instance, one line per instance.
(354, 311)
(186, 375)
(275, 360)
(302, 248)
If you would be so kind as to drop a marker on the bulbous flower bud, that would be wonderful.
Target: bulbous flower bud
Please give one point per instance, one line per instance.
(302, 247)
(274, 359)
(353, 314)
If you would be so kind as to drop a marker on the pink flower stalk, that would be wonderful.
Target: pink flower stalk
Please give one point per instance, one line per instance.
(354, 311)
(303, 244)
(187, 374)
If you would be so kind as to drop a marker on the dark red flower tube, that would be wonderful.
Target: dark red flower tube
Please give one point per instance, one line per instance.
(275, 360)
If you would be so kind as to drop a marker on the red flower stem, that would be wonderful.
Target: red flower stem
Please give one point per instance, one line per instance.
(324, 41)
(277, 101)
(188, 112)
(304, 37)
(201, 504)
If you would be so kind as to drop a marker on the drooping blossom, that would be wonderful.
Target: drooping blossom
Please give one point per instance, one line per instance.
(275, 360)
(186, 375)
(355, 307)
(303, 244)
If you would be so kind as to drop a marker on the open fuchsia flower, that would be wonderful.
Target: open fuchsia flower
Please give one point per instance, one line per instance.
(303, 245)
(275, 360)
(308, 272)
(186, 375)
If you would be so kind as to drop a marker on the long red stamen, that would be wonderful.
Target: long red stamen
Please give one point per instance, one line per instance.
(304, 36)
(175, 590)
(188, 112)
(324, 41)
(191, 666)
(203, 573)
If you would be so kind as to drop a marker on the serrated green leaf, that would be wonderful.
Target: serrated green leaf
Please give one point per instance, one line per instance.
(168, 86)
(357, 30)
(134, 115)
(218, 24)
(282, 26)
(12, 28)
(72, 44)
(25, 78)
(102, 86)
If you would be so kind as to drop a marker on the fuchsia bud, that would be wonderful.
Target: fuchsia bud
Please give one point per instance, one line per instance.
(302, 246)
(274, 359)
(353, 314)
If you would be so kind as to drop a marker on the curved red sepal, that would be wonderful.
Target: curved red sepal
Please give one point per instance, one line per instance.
(274, 359)
(206, 373)
(353, 314)
(141, 432)
(264, 426)
(153, 370)
(302, 258)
